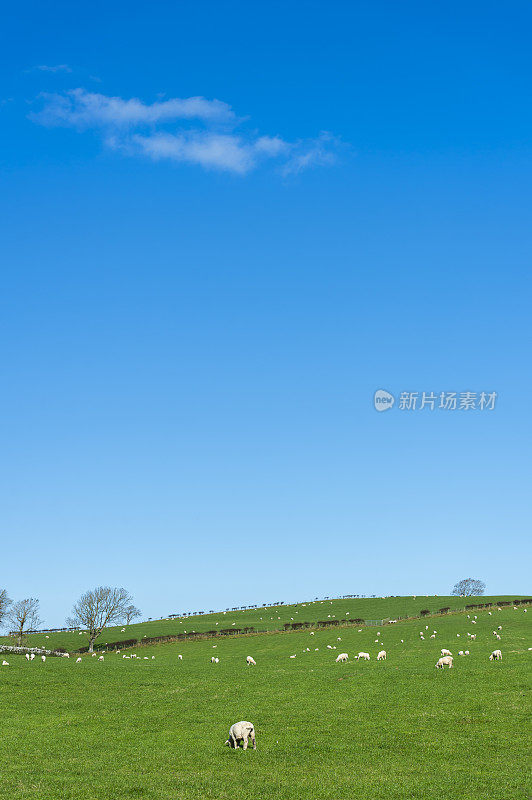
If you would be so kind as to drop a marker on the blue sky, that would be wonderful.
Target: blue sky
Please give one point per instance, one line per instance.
(225, 225)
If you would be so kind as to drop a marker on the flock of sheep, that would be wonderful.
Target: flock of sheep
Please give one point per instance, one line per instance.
(244, 732)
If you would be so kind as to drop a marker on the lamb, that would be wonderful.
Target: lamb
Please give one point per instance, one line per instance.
(364, 656)
(496, 656)
(446, 661)
(241, 731)
(342, 658)
(381, 656)
(445, 652)
(250, 661)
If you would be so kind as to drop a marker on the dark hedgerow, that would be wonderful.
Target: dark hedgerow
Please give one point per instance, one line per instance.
(445, 610)
(425, 612)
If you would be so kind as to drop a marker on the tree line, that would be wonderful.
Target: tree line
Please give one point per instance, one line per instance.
(95, 610)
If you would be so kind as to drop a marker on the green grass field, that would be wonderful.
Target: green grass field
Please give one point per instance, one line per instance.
(272, 618)
(394, 729)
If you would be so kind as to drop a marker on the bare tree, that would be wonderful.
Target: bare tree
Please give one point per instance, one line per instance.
(5, 602)
(23, 616)
(130, 613)
(468, 587)
(98, 608)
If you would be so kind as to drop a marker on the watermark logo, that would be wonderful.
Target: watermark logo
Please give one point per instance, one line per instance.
(436, 401)
(383, 400)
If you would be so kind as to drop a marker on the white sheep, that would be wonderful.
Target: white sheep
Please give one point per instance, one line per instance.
(27, 656)
(445, 652)
(364, 656)
(460, 652)
(496, 656)
(32, 656)
(446, 661)
(241, 732)
(78, 660)
(43, 659)
(250, 661)
(180, 657)
(5, 663)
(499, 628)
(101, 658)
(342, 658)
(432, 635)
(381, 656)
(293, 656)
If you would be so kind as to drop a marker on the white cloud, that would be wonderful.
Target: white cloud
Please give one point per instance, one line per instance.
(321, 151)
(56, 68)
(83, 109)
(162, 130)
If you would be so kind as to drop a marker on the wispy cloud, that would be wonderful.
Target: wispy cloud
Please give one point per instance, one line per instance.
(192, 130)
(56, 68)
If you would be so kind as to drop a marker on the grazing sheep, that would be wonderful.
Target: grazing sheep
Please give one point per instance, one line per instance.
(460, 652)
(497, 636)
(342, 658)
(381, 656)
(496, 656)
(27, 656)
(180, 657)
(473, 636)
(446, 661)
(101, 658)
(466, 652)
(212, 659)
(241, 732)
(5, 663)
(499, 628)
(445, 652)
(432, 635)
(364, 656)
(43, 659)
(78, 660)
(250, 661)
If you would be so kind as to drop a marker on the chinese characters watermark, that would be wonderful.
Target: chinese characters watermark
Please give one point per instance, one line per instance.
(435, 401)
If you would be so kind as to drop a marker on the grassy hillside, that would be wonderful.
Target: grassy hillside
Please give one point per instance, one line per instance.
(272, 618)
(388, 730)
